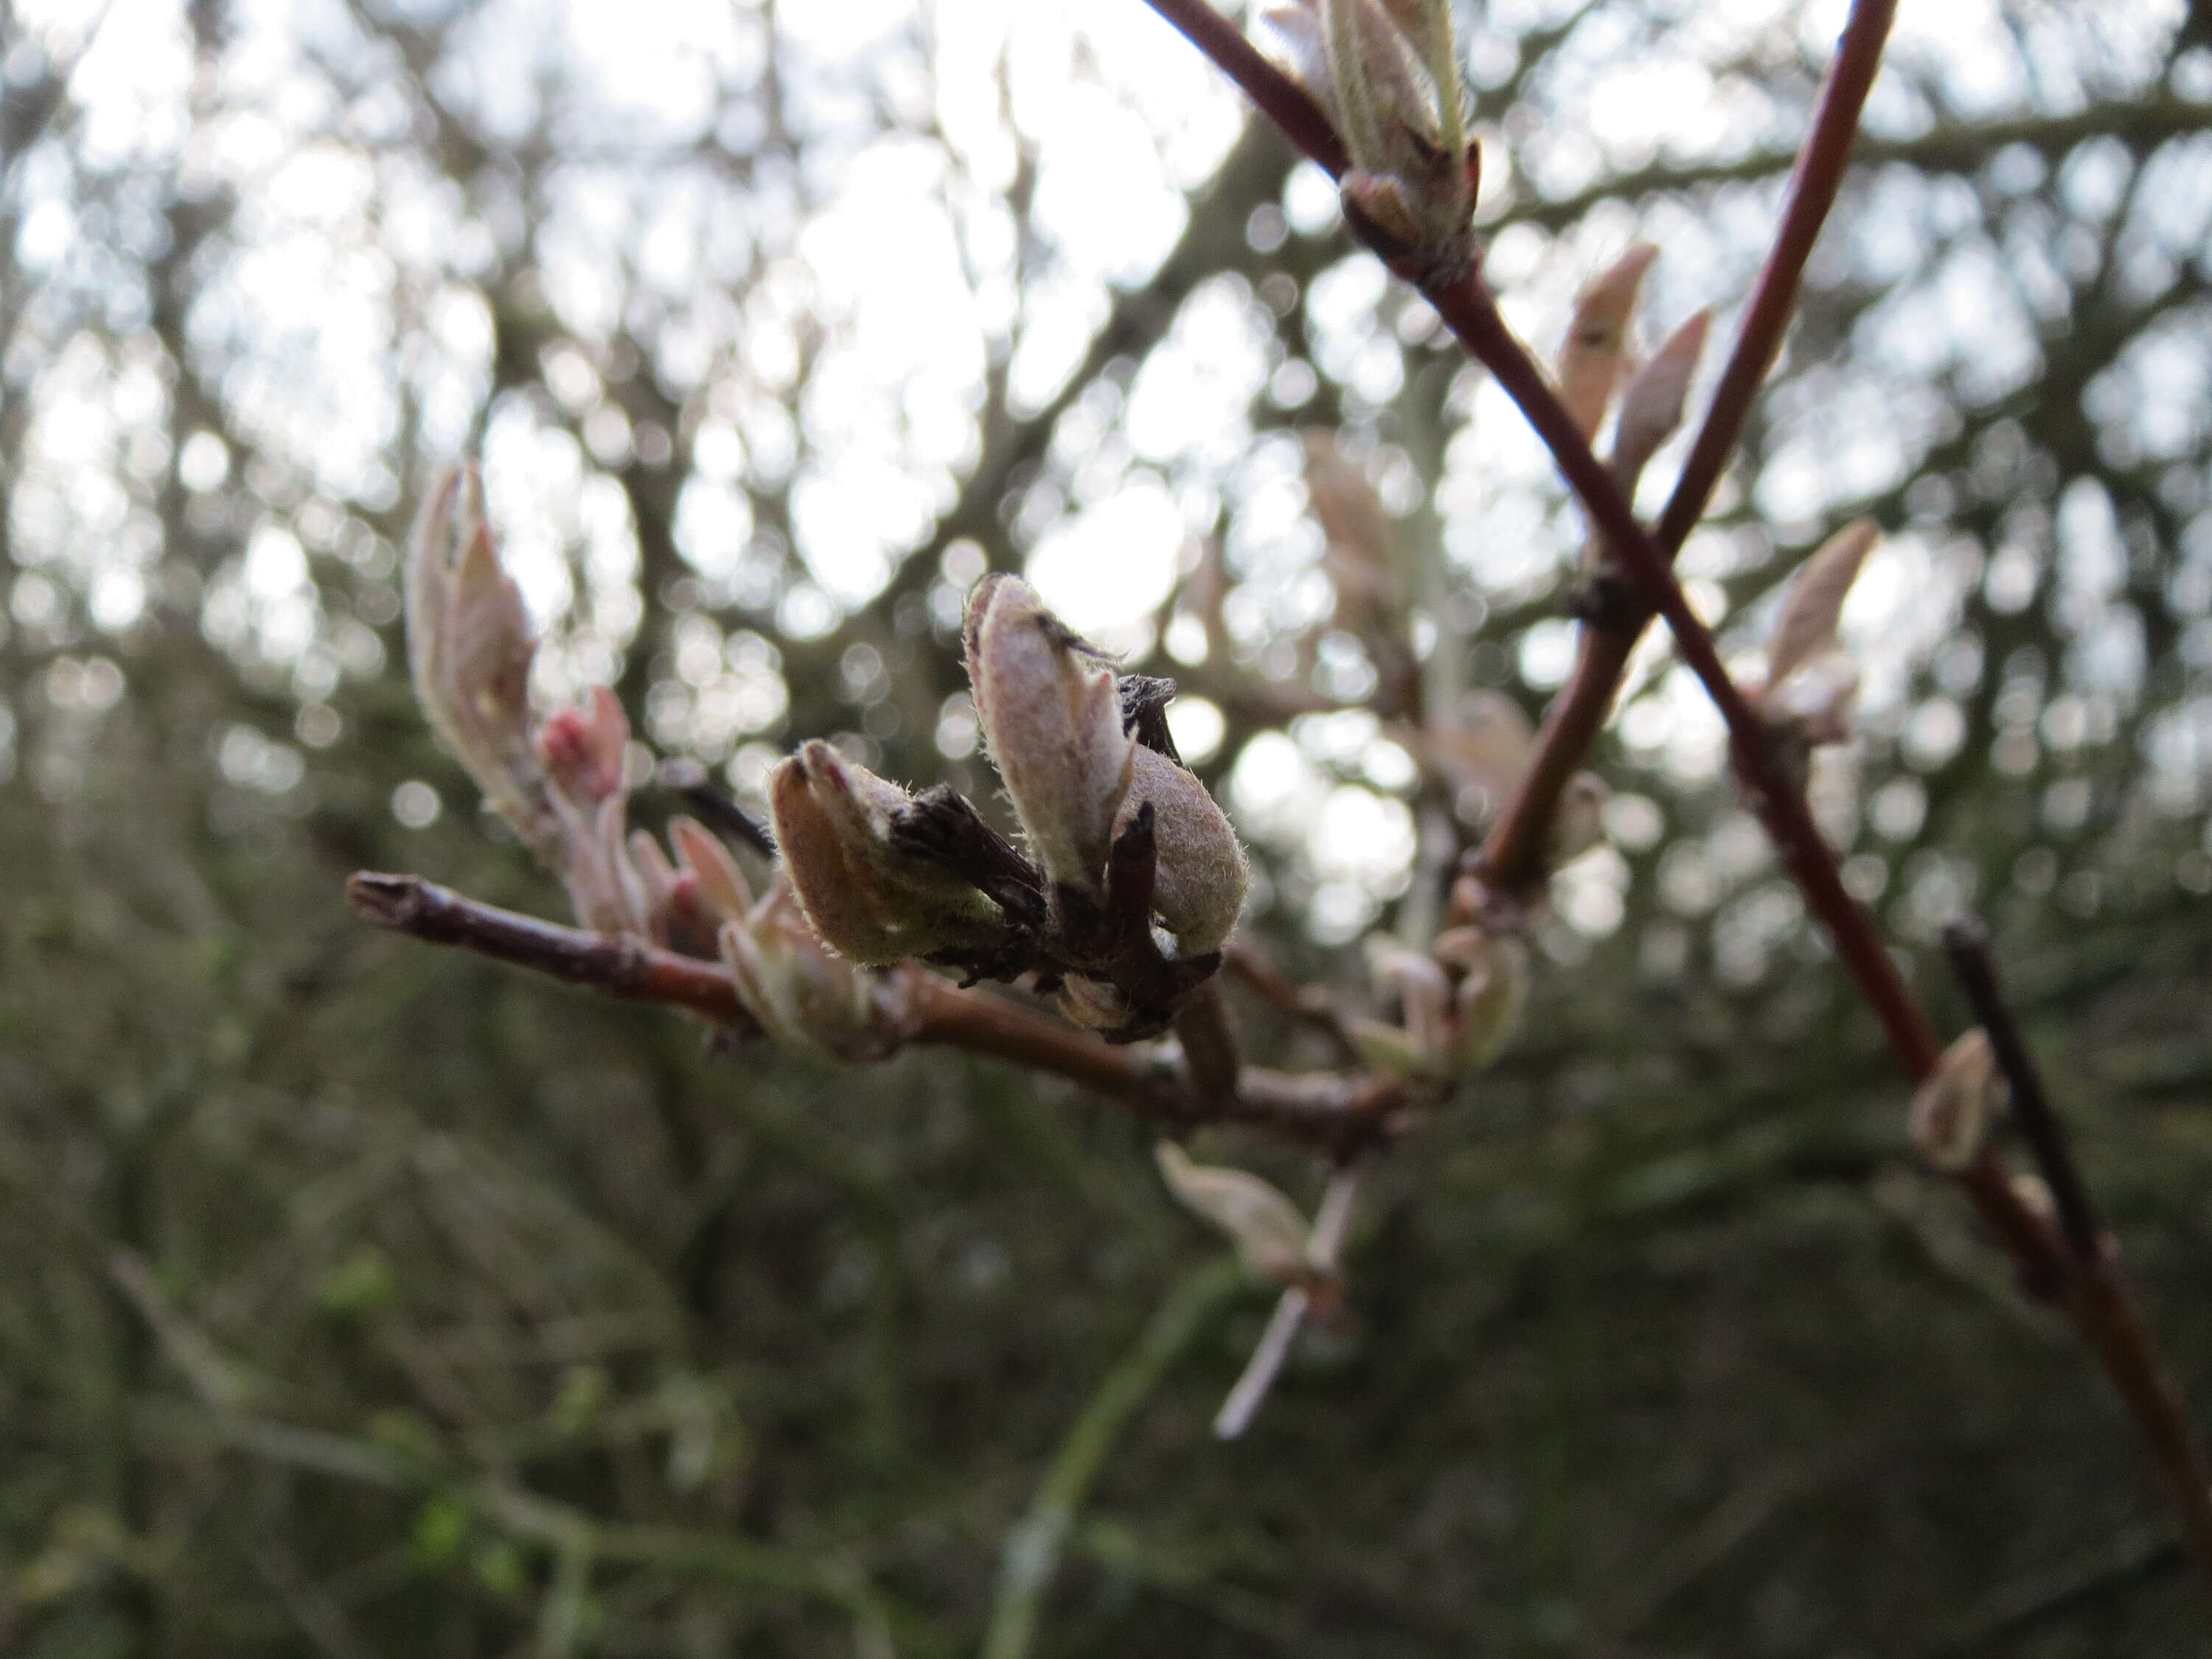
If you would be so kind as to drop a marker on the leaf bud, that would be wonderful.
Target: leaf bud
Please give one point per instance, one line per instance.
(870, 899)
(1954, 1106)
(1270, 1236)
(1200, 872)
(1492, 995)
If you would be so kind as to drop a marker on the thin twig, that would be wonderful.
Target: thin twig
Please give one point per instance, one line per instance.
(1311, 1004)
(1967, 942)
(1337, 1112)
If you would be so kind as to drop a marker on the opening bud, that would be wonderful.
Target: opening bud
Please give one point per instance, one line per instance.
(870, 899)
(1051, 714)
(1270, 1236)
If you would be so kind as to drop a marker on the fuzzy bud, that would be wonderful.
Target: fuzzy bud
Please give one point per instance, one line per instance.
(1953, 1108)
(1199, 876)
(1386, 73)
(870, 899)
(1051, 714)
(1270, 1235)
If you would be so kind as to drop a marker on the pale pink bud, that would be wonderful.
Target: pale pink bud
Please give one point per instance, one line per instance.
(1814, 603)
(1051, 714)
(702, 856)
(1596, 348)
(604, 888)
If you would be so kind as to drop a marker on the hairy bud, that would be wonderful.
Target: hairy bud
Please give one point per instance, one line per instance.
(1952, 1110)
(870, 899)
(1199, 876)
(1051, 714)
(1270, 1235)
(1386, 73)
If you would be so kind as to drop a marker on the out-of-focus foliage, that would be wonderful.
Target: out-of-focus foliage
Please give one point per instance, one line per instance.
(363, 1300)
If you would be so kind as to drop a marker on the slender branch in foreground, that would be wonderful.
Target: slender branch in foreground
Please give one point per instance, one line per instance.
(1967, 942)
(1336, 1111)
(1513, 857)
(2095, 1296)
(2095, 1292)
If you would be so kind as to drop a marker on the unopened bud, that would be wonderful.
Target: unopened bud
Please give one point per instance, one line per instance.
(605, 890)
(1199, 873)
(1265, 1227)
(1386, 73)
(1051, 714)
(870, 899)
(1423, 992)
(1596, 348)
(469, 651)
(1952, 1108)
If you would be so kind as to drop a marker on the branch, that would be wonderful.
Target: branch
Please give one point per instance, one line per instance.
(1337, 1112)
(1967, 942)
(1514, 856)
(2098, 1297)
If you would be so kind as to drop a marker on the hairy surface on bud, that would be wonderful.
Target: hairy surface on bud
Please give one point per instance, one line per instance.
(469, 651)
(1952, 1109)
(1269, 1234)
(806, 999)
(1200, 875)
(1051, 714)
(870, 900)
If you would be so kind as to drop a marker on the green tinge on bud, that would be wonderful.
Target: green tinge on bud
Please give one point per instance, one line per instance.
(1270, 1236)
(1199, 873)
(871, 900)
(1051, 714)
(1422, 990)
(1952, 1108)
(469, 651)
(1493, 994)
(1390, 1049)
(806, 999)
